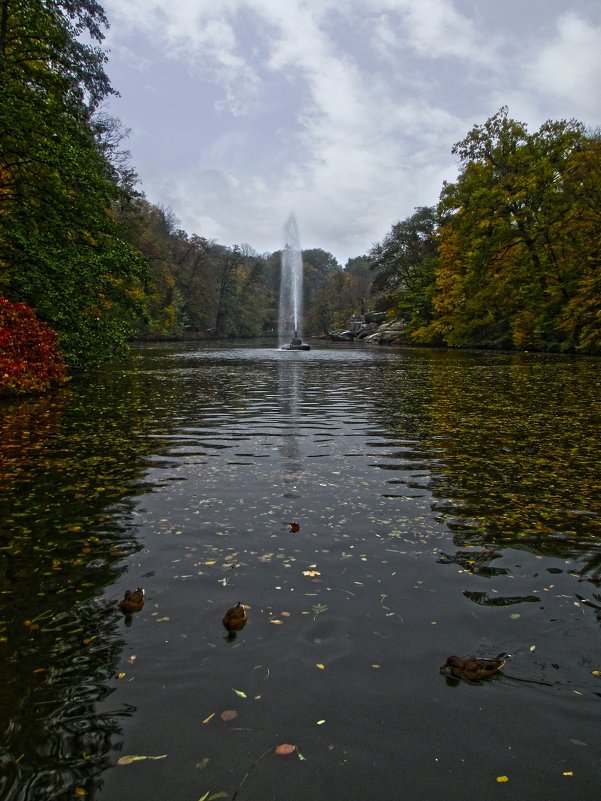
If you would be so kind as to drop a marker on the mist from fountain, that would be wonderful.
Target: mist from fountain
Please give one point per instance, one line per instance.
(291, 285)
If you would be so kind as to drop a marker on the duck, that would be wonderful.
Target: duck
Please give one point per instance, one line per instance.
(235, 618)
(473, 668)
(133, 601)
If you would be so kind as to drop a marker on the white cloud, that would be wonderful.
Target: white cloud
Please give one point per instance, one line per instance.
(568, 69)
(344, 111)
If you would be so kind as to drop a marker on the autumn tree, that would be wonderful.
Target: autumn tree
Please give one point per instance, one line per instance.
(517, 241)
(61, 250)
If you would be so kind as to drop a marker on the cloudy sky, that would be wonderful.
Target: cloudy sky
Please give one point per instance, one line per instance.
(341, 111)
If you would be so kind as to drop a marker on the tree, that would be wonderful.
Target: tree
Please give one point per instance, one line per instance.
(61, 250)
(511, 255)
(403, 265)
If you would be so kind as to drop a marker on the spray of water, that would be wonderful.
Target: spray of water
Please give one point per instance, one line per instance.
(291, 285)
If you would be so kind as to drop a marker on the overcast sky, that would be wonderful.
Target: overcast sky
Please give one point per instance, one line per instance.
(341, 111)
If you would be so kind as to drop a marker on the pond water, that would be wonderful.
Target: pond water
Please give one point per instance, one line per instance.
(447, 503)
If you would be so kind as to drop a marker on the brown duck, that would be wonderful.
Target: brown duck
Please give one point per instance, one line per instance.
(133, 601)
(235, 618)
(472, 668)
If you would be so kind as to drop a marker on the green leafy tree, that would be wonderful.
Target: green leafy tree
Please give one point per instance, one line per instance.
(61, 250)
(403, 266)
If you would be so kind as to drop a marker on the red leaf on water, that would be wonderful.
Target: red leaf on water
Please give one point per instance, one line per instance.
(229, 714)
(284, 749)
(294, 526)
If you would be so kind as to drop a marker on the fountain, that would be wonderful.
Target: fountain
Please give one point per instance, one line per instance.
(291, 291)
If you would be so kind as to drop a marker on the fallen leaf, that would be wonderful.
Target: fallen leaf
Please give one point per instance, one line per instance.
(217, 795)
(533, 647)
(132, 659)
(568, 773)
(285, 614)
(596, 672)
(228, 714)
(502, 779)
(294, 526)
(205, 796)
(311, 573)
(275, 621)
(319, 722)
(284, 749)
(320, 666)
(127, 760)
(240, 693)
(206, 720)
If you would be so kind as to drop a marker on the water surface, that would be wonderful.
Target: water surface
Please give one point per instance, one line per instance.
(447, 503)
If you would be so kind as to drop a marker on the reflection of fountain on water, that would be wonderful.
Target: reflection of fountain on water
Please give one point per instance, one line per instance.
(291, 291)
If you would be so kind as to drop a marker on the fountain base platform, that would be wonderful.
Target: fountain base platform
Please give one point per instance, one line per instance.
(302, 346)
(296, 343)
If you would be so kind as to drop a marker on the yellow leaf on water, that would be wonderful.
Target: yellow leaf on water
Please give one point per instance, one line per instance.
(275, 621)
(568, 773)
(596, 672)
(319, 722)
(206, 720)
(502, 779)
(205, 796)
(320, 666)
(240, 693)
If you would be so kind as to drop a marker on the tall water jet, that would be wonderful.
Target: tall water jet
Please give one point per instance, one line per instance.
(291, 290)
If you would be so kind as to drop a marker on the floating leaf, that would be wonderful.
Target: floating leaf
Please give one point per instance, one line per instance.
(205, 796)
(319, 722)
(515, 616)
(284, 749)
(311, 573)
(300, 756)
(127, 760)
(228, 714)
(533, 647)
(206, 720)
(596, 672)
(294, 526)
(319, 608)
(320, 666)
(217, 795)
(502, 779)
(275, 621)
(240, 693)
(568, 773)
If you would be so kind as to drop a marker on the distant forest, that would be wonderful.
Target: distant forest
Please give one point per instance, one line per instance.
(509, 257)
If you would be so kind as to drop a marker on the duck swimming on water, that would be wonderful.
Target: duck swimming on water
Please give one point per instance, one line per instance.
(472, 668)
(235, 618)
(133, 601)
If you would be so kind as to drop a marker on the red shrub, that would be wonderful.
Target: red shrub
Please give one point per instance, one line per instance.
(30, 360)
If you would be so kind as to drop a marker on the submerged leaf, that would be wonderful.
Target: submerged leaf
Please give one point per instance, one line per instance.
(284, 749)
(228, 714)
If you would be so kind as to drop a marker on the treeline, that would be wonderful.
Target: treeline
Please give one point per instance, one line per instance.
(509, 257)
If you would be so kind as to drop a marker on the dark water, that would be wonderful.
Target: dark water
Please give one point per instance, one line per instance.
(447, 502)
